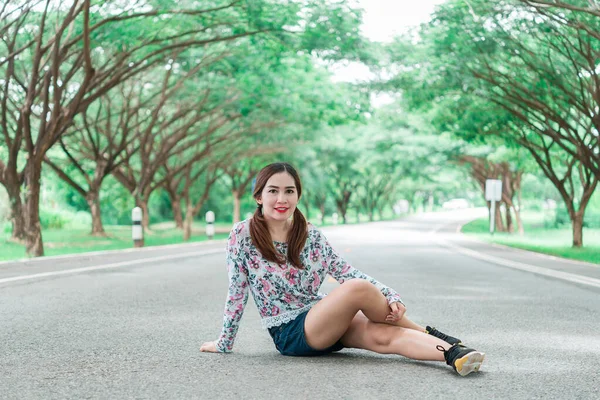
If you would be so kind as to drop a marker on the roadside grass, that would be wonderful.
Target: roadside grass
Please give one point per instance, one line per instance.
(556, 242)
(78, 240)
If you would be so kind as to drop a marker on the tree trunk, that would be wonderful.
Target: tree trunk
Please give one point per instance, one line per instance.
(322, 210)
(577, 224)
(187, 224)
(519, 221)
(34, 245)
(342, 211)
(175, 205)
(371, 215)
(499, 221)
(16, 212)
(188, 220)
(510, 228)
(177, 213)
(143, 204)
(236, 206)
(306, 204)
(93, 201)
(342, 206)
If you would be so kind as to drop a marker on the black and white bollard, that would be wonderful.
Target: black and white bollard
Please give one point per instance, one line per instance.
(210, 224)
(137, 232)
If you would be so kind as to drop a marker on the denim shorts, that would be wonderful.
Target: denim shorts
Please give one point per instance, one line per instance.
(290, 339)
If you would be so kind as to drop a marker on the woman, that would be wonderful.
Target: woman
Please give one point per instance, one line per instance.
(283, 261)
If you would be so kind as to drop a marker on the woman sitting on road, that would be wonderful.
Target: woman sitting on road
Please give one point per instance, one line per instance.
(284, 260)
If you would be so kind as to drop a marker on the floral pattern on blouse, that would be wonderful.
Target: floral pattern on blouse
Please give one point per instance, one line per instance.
(281, 292)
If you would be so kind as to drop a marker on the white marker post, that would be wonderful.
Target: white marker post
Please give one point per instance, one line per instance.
(493, 193)
(335, 217)
(210, 224)
(137, 231)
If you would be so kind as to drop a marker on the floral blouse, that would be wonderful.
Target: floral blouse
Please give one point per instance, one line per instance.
(281, 292)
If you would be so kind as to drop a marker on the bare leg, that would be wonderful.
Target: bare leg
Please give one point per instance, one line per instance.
(407, 323)
(389, 339)
(330, 318)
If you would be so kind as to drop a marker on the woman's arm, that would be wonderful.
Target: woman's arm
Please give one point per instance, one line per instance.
(342, 271)
(237, 295)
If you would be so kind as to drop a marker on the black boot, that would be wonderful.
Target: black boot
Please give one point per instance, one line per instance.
(443, 336)
(462, 359)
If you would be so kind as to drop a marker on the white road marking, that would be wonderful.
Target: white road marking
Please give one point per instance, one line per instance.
(108, 266)
(104, 252)
(566, 276)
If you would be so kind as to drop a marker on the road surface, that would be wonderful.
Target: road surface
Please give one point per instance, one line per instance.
(128, 325)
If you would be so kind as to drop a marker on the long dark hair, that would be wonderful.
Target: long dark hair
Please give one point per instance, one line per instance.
(259, 230)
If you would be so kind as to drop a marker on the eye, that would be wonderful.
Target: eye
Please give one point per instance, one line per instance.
(272, 190)
(290, 191)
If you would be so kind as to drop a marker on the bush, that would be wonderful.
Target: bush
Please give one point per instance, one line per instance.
(534, 206)
(78, 219)
(52, 219)
(561, 219)
(591, 220)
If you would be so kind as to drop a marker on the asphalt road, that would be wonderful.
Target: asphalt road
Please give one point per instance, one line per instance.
(129, 325)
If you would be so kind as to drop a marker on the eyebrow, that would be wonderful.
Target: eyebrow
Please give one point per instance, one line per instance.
(277, 187)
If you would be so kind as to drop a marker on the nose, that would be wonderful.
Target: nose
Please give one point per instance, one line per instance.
(281, 198)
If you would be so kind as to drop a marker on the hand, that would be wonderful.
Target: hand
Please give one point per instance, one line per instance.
(397, 312)
(209, 347)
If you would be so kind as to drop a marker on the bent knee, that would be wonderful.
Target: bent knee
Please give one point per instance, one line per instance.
(357, 285)
(381, 335)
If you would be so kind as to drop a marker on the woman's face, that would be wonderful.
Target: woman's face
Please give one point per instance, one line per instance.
(279, 197)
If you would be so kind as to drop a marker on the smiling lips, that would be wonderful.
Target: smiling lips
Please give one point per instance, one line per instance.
(281, 209)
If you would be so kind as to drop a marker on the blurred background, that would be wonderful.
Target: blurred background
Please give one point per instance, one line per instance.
(385, 108)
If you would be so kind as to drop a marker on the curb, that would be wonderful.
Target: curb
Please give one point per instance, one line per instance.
(565, 276)
(516, 249)
(107, 252)
(557, 274)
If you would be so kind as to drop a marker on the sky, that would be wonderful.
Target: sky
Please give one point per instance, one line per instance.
(382, 20)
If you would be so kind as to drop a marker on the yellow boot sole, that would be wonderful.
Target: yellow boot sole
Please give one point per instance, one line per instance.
(469, 363)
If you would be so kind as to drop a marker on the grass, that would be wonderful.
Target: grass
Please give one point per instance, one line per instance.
(78, 240)
(556, 242)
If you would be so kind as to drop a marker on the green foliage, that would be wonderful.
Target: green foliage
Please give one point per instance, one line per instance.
(561, 218)
(555, 242)
(332, 30)
(54, 219)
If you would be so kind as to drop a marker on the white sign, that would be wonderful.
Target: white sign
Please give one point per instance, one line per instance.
(493, 190)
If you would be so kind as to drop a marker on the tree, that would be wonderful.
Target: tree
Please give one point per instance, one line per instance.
(96, 144)
(53, 72)
(503, 70)
(241, 173)
(482, 170)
